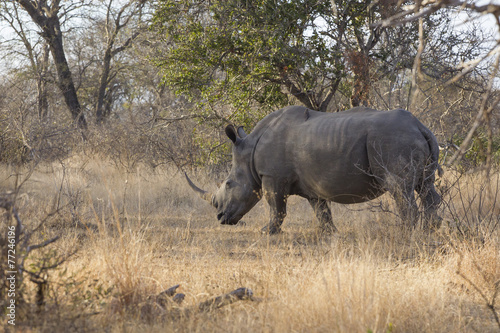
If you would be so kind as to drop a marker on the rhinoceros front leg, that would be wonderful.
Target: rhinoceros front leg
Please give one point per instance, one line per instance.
(274, 192)
(323, 214)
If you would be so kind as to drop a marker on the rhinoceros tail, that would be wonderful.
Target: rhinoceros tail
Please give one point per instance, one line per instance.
(434, 148)
(440, 171)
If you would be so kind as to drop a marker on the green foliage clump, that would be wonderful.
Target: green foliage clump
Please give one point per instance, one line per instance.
(244, 54)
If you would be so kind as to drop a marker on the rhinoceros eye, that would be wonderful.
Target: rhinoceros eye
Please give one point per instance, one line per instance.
(228, 184)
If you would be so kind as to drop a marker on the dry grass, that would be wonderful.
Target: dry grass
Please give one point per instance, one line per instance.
(140, 233)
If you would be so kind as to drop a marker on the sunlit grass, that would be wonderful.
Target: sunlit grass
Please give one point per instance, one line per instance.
(136, 234)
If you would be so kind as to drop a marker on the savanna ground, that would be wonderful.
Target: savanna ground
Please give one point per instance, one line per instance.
(127, 236)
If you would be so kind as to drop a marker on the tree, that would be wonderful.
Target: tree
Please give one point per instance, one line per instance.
(246, 53)
(111, 25)
(36, 56)
(116, 19)
(268, 53)
(46, 17)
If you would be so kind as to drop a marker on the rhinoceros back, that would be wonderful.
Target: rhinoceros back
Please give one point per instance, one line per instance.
(342, 157)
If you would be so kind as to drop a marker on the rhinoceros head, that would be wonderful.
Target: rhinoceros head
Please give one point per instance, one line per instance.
(239, 192)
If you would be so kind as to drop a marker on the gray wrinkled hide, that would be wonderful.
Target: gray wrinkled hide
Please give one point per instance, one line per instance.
(345, 157)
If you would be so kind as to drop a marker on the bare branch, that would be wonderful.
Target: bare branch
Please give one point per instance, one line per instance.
(480, 118)
(429, 7)
(43, 244)
(425, 8)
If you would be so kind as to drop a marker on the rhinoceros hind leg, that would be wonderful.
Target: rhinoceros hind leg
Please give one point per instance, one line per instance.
(324, 215)
(406, 205)
(430, 201)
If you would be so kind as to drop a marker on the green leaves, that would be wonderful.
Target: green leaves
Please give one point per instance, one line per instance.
(246, 54)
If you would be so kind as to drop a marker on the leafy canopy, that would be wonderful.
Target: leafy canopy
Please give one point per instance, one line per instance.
(237, 55)
(248, 53)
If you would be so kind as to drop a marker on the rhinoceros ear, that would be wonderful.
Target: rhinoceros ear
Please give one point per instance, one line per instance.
(232, 134)
(241, 132)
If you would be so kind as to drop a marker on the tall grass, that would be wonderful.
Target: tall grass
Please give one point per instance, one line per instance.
(139, 232)
(473, 203)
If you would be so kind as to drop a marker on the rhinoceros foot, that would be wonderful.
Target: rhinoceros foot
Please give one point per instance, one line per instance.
(271, 230)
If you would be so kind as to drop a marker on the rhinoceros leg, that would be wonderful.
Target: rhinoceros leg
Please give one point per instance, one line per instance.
(400, 178)
(323, 214)
(276, 196)
(430, 201)
(406, 204)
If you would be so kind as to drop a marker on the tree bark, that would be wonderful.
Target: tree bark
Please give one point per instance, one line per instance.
(43, 104)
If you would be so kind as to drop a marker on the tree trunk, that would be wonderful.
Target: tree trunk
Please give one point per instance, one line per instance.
(65, 80)
(101, 94)
(43, 104)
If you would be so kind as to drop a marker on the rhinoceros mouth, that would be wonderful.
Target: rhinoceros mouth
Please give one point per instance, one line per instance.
(224, 218)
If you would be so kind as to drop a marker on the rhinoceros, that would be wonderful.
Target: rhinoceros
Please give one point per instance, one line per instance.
(345, 157)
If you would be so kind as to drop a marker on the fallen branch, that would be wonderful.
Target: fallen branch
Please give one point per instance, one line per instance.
(226, 299)
(167, 303)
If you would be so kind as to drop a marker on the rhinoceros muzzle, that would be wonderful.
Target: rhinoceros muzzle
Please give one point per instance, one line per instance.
(224, 218)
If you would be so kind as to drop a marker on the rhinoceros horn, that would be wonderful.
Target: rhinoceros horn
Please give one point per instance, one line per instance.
(205, 195)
